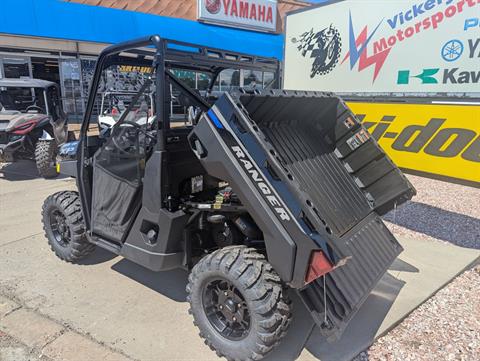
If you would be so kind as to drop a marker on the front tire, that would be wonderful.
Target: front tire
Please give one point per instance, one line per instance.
(45, 158)
(64, 226)
(238, 303)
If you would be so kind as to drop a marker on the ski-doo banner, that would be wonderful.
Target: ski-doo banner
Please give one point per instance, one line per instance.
(422, 46)
(442, 141)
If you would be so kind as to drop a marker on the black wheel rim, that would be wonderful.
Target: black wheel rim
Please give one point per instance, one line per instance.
(59, 227)
(226, 309)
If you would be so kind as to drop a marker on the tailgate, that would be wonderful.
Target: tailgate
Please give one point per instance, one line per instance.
(338, 183)
(371, 249)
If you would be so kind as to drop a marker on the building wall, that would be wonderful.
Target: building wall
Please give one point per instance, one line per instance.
(182, 9)
(60, 39)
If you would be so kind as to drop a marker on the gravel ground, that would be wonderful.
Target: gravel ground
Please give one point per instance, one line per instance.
(447, 326)
(441, 211)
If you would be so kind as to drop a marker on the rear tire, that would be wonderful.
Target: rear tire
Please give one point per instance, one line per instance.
(237, 290)
(45, 158)
(64, 226)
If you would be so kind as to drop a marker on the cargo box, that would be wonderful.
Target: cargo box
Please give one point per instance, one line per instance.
(330, 175)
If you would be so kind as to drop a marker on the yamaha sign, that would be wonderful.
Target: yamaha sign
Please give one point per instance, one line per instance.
(260, 15)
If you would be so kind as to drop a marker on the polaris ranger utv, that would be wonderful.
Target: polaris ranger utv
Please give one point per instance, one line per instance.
(262, 194)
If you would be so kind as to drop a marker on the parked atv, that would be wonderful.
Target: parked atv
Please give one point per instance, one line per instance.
(264, 192)
(115, 103)
(32, 122)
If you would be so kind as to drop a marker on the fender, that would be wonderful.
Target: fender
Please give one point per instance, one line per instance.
(45, 136)
(44, 123)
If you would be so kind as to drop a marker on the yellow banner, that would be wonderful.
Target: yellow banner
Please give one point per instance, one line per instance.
(442, 140)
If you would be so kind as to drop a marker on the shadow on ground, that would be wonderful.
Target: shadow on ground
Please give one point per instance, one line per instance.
(170, 284)
(303, 333)
(18, 171)
(459, 229)
(21, 170)
(98, 256)
(401, 266)
(361, 331)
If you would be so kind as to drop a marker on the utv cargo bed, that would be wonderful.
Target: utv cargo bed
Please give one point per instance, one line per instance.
(329, 180)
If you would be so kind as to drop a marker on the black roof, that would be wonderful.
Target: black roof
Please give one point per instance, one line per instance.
(26, 83)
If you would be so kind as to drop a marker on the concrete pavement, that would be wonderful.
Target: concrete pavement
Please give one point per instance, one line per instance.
(109, 308)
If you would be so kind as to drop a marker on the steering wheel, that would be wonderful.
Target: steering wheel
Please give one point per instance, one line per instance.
(32, 107)
(137, 127)
(133, 124)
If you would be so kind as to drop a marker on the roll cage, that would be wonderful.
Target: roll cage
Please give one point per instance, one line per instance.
(50, 92)
(162, 55)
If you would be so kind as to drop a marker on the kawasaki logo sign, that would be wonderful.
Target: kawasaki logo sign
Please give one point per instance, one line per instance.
(353, 46)
(434, 76)
(426, 76)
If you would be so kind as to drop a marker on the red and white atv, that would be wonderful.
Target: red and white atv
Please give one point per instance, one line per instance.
(32, 123)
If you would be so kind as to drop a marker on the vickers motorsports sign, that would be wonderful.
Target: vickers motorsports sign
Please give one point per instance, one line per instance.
(247, 14)
(429, 46)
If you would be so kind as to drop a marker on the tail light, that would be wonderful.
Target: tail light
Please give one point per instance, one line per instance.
(319, 265)
(24, 128)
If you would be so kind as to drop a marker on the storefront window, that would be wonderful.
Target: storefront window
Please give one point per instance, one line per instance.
(216, 85)
(186, 76)
(14, 67)
(117, 89)
(203, 80)
(252, 79)
(71, 88)
(229, 80)
(268, 79)
(88, 68)
(46, 69)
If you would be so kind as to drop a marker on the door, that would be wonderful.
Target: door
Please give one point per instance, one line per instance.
(118, 170)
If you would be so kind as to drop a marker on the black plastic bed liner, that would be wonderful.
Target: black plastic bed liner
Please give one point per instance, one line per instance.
(330, 155)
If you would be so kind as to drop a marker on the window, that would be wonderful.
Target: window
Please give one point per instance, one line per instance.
(72, 91)
(14, 67)
(22, 99)
(118, 87)
(253, 79)
(186, 76)
(268, 79)
(203, 80)
(229, 80)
